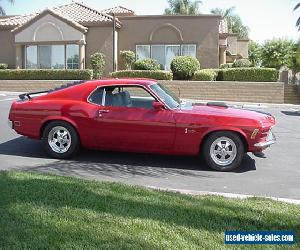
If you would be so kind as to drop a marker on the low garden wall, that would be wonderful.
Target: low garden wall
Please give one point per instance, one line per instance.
(268, 92)
(261, 92)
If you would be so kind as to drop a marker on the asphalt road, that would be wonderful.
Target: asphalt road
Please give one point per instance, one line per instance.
(277, 175)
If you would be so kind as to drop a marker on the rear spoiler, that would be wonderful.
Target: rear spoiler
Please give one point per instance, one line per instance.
(29, 94)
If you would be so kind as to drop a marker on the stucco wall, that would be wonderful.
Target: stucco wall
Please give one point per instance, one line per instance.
(232, 44)
(100, 39)
(7, 48)
(48, 28)
(200, 30)
(242, 48)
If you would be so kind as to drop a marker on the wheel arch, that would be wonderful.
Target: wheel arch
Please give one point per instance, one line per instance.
(238, 132)
(57, 119)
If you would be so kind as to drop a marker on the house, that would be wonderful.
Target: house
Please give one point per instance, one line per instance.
(66, 37)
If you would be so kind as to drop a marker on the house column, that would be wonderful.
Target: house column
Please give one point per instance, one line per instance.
(222, 55)
(81, 54)
(18, 60)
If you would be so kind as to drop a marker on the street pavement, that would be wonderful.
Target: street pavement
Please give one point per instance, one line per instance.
(277, 175)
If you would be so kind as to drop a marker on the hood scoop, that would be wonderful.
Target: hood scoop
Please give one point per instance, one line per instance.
(217, 104)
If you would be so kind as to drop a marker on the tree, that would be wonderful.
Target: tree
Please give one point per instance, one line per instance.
(183, 7)
(234, 22)
(276, 53)
(128, 58)
(2, 11)
(254, 53)
(98, 64)
(298, 21)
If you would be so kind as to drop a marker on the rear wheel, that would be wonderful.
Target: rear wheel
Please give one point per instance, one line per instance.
(223, 151)
(60, 140)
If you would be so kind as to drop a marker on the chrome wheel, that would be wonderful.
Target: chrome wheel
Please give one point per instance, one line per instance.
(223, 151)
(59, 139)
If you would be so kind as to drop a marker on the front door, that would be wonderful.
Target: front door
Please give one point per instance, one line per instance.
(127, 121)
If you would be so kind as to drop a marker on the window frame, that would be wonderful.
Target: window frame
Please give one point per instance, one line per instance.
(37, 54)
(156, 98)
(165, 48)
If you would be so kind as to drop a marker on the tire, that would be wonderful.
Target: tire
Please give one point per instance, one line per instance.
(223, 151)
(60, 140)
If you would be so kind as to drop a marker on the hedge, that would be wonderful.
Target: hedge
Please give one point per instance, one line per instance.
(241, 63)
(249, 74)
(153, 74)
(3, 66)
(46, 74)
(206, 75)
(146, 64)
(184, 67)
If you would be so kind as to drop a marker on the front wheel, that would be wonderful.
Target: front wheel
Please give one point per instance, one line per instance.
(223, 151)
(60, 140)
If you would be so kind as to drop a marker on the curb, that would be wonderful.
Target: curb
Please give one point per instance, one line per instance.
(226, 195)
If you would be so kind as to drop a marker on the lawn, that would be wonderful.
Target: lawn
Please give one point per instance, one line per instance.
(46, 211)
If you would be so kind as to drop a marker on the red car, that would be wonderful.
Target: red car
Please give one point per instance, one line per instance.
(139, 115)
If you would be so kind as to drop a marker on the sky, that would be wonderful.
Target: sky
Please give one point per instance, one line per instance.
(266, 19)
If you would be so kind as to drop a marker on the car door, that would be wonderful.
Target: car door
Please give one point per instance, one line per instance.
(127, 121)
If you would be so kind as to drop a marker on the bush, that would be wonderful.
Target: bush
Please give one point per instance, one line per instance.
(226, 65)
(241, 63)
(46, 74)
(249, 74)
(146, 64)
(128, 58)
(206, 75)
(184, 67)
(97, 64)
(3, 66)
(153, 74)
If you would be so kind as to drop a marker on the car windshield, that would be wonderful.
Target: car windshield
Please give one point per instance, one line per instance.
(171, 100)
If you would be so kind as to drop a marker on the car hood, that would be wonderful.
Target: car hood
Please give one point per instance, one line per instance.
(235, 113)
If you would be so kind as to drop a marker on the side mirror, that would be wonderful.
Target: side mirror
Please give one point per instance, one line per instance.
(158, 106)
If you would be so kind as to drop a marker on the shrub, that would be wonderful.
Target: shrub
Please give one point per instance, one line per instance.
(241, 63)
(128, 58)
(46, 74)
(206, 75)
(184, 67)
(3, 66)
(98, 64)
(146, 64)
(226, 65)
(153, 74)
(249, 74)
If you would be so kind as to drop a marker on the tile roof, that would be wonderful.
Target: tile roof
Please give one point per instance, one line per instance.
(76, 12)
(118, 10)
(56, 14)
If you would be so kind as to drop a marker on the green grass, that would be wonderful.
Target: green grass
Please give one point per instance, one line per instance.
(45, 211)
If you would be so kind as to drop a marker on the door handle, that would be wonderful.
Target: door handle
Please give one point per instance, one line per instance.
(102, 111)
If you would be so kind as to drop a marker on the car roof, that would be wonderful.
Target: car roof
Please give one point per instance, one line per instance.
(122, 81)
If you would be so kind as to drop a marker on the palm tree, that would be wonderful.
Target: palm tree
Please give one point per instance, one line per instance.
(2, 11)
(234, 22)
(183, 7)
(298, 21)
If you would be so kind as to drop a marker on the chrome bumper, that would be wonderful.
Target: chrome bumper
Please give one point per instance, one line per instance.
(271, 139)
(10, 124)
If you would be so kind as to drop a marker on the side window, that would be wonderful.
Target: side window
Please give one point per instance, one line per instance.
(128, 96)
(97, 96)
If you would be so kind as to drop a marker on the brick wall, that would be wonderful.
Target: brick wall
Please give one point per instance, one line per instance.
(227, 91)
(261, 92)
(292, 94)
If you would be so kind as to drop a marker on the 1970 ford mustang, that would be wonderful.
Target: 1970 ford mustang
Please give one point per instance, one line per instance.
(139, 115)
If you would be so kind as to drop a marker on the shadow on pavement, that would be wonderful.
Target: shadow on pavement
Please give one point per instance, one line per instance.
(112, 164)
(291, 113)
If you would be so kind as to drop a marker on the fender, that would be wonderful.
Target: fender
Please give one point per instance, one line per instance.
(57, 118)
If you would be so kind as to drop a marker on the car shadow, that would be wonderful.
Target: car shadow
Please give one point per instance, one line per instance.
(291, 113)
(115, 163)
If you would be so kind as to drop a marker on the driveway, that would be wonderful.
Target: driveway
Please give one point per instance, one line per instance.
(277, 175)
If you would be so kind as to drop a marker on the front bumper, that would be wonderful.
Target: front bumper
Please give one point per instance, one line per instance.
(271, 139)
